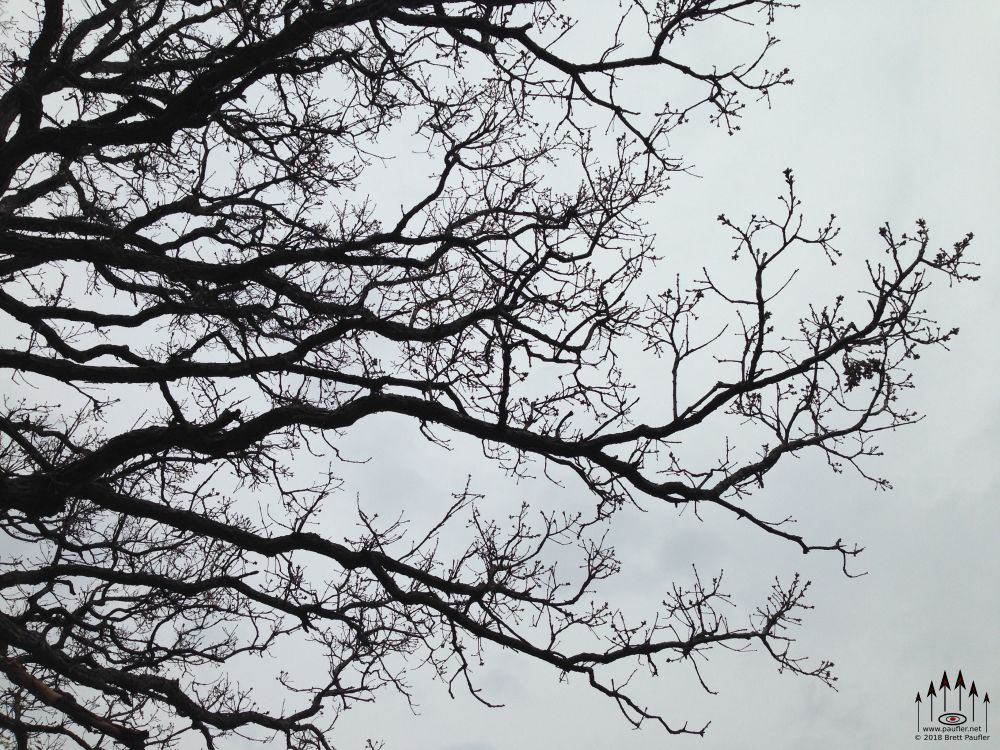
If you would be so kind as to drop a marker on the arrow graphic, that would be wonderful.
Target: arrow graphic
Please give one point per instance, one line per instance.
(945, 687)
(918, 701)
(960, 686)
(986, 708)
(973, 692)
(931, 692)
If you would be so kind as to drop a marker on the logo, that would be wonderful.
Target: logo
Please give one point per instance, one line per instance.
(960, 722)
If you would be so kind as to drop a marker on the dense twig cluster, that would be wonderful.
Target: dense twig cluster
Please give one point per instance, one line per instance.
(184, 240)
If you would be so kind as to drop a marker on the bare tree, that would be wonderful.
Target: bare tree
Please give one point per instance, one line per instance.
(201, 285)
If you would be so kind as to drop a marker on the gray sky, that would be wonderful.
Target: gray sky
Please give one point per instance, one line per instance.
(892, 117)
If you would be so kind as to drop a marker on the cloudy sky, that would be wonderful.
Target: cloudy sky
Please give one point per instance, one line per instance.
(892, 117)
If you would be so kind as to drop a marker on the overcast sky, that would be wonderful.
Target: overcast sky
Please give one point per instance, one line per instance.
(892, 117)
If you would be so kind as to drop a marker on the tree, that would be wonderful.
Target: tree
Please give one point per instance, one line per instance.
(197, 292)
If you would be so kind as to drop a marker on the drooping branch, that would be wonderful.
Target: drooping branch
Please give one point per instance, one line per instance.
(199, 271)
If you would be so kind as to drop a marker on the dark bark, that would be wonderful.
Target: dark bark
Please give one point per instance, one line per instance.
(184, 229)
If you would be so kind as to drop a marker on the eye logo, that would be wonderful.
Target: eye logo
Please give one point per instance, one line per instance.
(961, 709)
